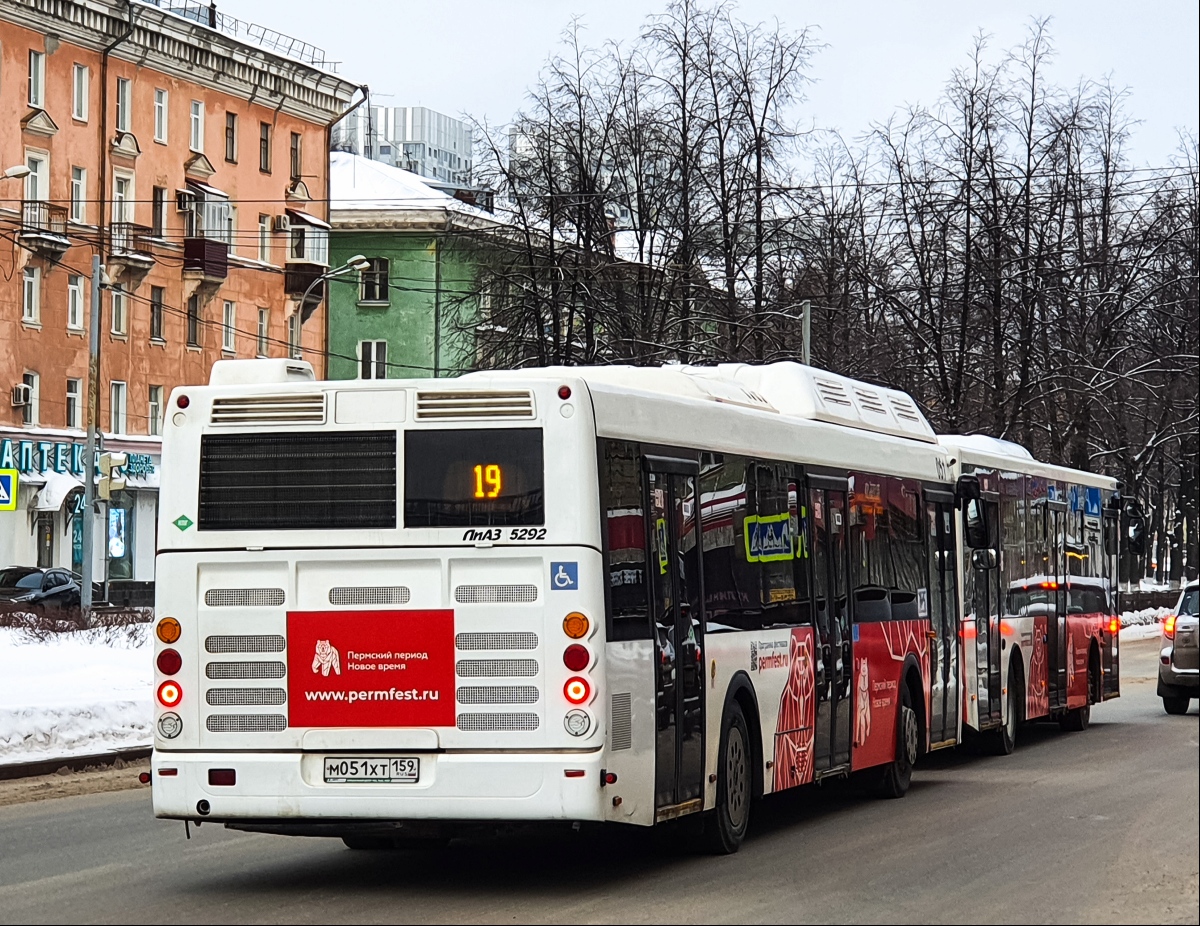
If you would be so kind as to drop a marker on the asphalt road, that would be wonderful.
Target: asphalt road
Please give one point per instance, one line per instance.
(1100, 826)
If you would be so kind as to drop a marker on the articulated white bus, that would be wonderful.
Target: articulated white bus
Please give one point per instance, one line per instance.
(593, 594)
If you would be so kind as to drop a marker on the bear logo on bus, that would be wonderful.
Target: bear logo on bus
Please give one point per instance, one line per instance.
(326, 658)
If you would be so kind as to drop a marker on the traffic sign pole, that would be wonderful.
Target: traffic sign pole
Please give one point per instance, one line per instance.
(89, 451)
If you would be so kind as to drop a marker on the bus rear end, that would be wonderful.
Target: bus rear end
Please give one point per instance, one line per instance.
(378, 601)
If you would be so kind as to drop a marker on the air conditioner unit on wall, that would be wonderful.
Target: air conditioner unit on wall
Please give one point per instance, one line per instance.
(281, 223)
(22, 395)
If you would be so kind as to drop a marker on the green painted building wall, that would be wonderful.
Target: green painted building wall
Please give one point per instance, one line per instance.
(430, 300)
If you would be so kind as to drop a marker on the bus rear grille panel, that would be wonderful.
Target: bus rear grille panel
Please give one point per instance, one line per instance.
(495, 594)
(217, 670)
(244, 597)
(241, 697)
(496, 668)
(269, 409)
(498, 722)
(247, 643)
(370, 594)
(497, 694)
(496, 640)
(315, 480)
(491, 404)
(621, 728)
(245, 723)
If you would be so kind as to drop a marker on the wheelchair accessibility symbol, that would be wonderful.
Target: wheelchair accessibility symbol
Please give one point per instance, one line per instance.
(564, 577)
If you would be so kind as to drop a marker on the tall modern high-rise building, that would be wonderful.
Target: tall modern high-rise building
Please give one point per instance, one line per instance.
(414, 138)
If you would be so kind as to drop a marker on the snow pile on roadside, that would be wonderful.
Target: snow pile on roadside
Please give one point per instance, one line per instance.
(1145, 624)
(78, 693)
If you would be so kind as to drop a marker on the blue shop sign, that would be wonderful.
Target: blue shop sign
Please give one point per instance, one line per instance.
(41, 456)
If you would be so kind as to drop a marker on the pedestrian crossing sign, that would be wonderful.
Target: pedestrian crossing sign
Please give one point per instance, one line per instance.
(8, 489)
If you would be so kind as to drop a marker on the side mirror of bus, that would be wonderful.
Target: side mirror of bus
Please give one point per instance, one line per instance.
(967, 489)
(984, 558)
(975, 523)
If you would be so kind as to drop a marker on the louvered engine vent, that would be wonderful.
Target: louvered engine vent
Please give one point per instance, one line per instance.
(498, 722)
(494, 594)
(245, 723)
(450, 405)
(832, 392)
(243, 597)
(369, 594)
(270, 409)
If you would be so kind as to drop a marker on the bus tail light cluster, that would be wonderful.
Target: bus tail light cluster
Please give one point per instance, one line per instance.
(577, 658)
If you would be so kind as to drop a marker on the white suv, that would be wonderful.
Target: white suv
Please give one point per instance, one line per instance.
(1179, 661)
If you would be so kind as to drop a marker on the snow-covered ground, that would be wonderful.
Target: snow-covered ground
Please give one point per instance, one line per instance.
(75, 693)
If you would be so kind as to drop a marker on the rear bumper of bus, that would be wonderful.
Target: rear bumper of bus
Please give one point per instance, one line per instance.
(453, 786)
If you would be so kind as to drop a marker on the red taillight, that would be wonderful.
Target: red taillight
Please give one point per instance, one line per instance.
(183, 401)
(577, 690)
(1169, 627)
(222, 777)
(169, 694)
(576, 657)
(169, 662)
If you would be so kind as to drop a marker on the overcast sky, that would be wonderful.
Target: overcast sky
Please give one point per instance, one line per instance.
(480, 56)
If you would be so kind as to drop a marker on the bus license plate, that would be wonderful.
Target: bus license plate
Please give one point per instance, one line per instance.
(372, 770)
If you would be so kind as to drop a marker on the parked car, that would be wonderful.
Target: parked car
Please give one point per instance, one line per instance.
(56, 587)
(1179, 662)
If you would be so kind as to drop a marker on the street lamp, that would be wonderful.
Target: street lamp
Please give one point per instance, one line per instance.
(16, 172)
(357, 262)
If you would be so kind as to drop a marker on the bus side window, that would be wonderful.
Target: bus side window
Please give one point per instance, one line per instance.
(624, 524)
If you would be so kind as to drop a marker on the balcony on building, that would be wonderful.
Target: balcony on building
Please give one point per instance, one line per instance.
(44, 227)
(208, 231)
(307, 259)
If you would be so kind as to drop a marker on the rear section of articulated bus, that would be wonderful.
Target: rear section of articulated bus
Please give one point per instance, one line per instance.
(379, 601)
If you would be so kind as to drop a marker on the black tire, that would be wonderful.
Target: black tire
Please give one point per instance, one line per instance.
(1004, 740)
(726, 826)
(1176, 704)
(896, 776)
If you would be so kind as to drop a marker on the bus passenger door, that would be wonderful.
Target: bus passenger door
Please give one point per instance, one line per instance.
(832, 746)
(943, 618)
(1056, 624)
(987, 607)
(673, 516)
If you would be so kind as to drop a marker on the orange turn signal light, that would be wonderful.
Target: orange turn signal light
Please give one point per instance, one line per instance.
(576, 626)
(1169, 627)
(168, 630)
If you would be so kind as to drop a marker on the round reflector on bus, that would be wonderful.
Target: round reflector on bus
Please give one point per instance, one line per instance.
(169, 694)
(183, 401)
(170, 725)
(169, 662)
(577, 690)
(168, 630)
(576, 626)
(564, 392)
(576, 657)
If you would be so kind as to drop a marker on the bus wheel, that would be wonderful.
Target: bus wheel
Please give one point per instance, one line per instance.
(1005, 739)
(726, 827)
(897, 775)
(1077, 720)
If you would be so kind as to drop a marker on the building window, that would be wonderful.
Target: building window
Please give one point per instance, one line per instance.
(197, 130)
(78, 194)
(228, 341)
(37, 79)
(158, 211)
(373, 282)
(310, 245)
(372, 359)
(31, 300)
(120, 311)
(74, 407)
(293, 332)
(122, 205)
(155, 411)
(30, 410)
(124, 104)
(79, 92)
(264, 320)
(160, 115)
(231, 137)
(264, 147)
(193, 321)
(37, 184)
(264, 238)
(118, 423)
(75, 302)
(294, 158)
(156, 313)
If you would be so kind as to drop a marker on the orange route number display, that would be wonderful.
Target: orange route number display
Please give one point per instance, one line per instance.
(489, 480)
